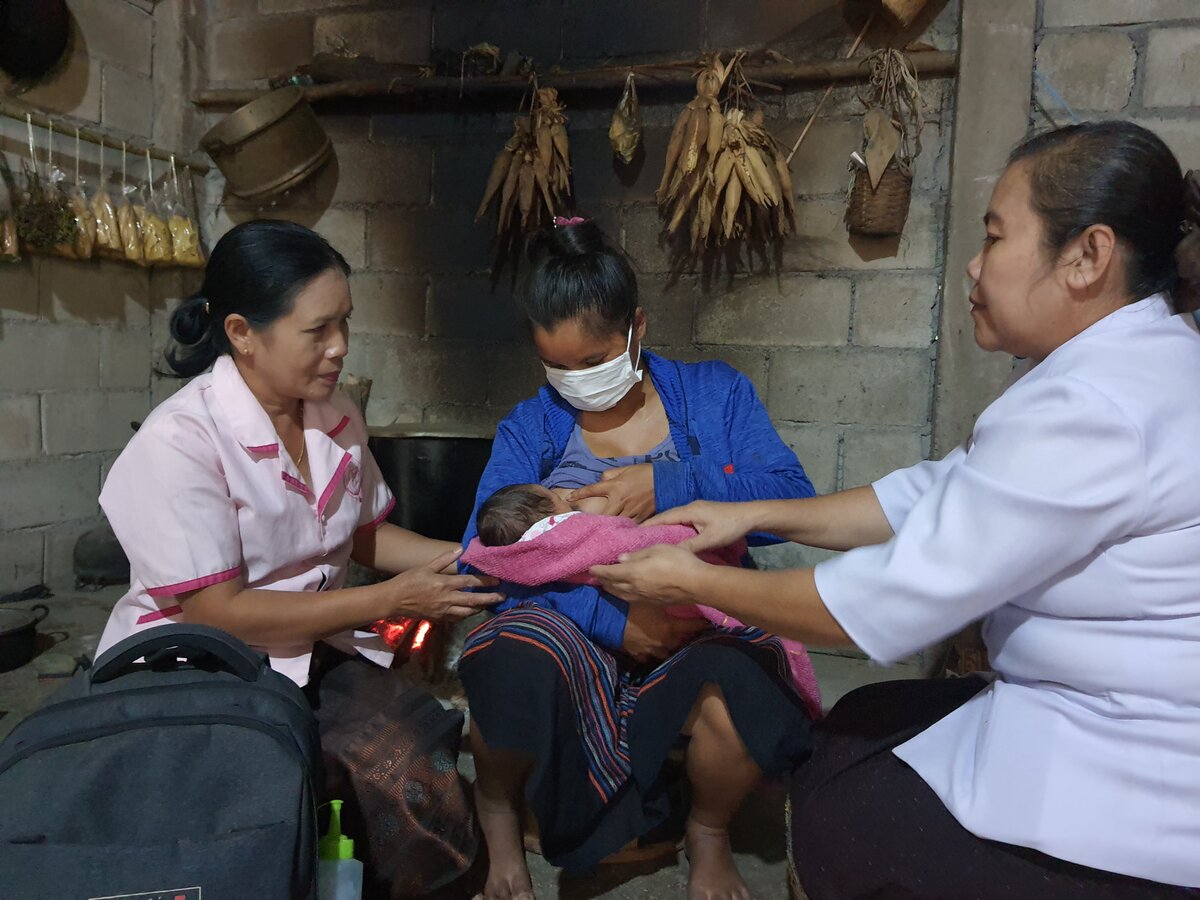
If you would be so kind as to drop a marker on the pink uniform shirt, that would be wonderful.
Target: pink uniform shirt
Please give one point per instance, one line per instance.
(205, 492)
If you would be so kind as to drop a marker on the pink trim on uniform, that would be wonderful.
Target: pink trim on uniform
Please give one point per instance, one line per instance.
(378, 520)
(170, 590)
(333, 482)
(159, 614)
(339, 427)
(296, 483)
(264, 448)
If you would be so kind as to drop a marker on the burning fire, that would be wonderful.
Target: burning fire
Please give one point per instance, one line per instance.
(419, 637)
(395, 631)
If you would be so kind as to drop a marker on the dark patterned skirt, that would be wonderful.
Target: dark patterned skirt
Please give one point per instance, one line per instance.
(863, 824)
(391, 754)
(599, 730)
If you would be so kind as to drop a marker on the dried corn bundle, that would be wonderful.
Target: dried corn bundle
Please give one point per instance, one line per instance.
(625, 132)
(725, 171)
(531, 176)
(750, 187)
(694, 143)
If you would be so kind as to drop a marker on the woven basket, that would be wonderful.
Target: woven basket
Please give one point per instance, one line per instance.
(882, 211)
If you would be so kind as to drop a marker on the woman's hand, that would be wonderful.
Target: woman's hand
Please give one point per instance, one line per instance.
(652, 634)
(718, 524)
(657, 575)
(427, 593)
(629, 491)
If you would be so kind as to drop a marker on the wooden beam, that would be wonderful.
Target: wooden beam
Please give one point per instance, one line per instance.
(17, 109)
(928, 63)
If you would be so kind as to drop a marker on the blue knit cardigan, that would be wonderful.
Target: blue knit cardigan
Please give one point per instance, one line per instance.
(728, 451)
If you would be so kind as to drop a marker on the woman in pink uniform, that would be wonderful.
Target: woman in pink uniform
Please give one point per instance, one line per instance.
(240, 503)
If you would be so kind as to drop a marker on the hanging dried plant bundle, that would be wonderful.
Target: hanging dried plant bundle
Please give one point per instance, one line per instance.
(530, 180)
(724, 170)
(750, 185)
(895, 112)
(694, 142)
(625, 132)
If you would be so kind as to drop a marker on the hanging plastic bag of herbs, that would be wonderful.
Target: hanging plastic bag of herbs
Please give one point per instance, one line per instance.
(44, 217)
(127, 221)
(60, 183)
(10, 246)
(85, 222)
(156, 237)
(108, 236)
(185, 233)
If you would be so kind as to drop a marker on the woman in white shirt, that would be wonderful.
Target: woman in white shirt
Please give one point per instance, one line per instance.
(1069, 522)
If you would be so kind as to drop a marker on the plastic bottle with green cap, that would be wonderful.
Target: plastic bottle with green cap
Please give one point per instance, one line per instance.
(339, 874)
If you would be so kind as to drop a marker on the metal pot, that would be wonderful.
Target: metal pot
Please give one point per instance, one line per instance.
(269, 145)
(33, 36)
(18, 634)
(434, 473)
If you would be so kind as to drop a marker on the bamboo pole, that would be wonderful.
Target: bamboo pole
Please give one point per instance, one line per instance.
(829, 90)
(15, 109)
(930, 64)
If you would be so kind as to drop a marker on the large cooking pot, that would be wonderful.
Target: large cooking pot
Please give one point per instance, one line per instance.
(433, 472)
(18, 634)
(33, 36)
(270, 145)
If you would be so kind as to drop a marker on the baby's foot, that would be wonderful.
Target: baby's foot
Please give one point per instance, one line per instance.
(712, 874)
(508, 876)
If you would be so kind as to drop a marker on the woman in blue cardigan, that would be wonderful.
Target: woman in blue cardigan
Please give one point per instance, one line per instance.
(577, 698)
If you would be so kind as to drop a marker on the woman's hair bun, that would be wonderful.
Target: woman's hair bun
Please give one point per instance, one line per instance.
(191, 321)
(568, 237)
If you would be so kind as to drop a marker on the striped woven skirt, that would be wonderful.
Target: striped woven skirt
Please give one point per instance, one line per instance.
(599, 729)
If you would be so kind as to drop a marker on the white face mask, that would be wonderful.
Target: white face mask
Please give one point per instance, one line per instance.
(600, 387)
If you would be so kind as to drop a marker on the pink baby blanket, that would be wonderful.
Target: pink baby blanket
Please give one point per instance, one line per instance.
(569, 549)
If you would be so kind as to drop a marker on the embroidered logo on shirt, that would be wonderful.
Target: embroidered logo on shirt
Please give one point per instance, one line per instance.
(354, 481)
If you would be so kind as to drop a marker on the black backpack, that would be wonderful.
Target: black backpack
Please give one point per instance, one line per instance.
(191, 774)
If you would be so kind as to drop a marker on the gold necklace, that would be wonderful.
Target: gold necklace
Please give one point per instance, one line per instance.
(303, 445)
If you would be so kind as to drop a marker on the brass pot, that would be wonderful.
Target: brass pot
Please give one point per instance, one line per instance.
(270, 145)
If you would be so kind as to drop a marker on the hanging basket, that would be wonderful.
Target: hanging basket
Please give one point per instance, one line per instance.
(881, 211)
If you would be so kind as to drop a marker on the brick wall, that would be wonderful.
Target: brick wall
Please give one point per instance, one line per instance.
(1127, 59)
(839, 345)
(76, 338)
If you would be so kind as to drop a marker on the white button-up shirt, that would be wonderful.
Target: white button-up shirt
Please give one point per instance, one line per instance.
(204, 493)
(1071, 521)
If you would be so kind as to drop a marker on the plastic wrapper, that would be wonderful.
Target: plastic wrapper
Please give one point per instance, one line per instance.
(185, 230)
(108, 236)
(10, 246)
(128, 228)
(58, 189)
(156, 235)
(85, 223)
(185, 239)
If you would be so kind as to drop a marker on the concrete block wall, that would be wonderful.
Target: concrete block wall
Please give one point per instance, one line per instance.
(76, 338)
(838, 343)
(1126, 59)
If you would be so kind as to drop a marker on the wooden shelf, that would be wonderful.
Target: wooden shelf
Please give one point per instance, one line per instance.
(928, 64)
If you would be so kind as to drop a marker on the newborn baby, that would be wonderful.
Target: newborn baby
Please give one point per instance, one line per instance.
(520, 541)
(520, 512)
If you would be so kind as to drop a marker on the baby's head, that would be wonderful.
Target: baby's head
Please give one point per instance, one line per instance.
(513, 510)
